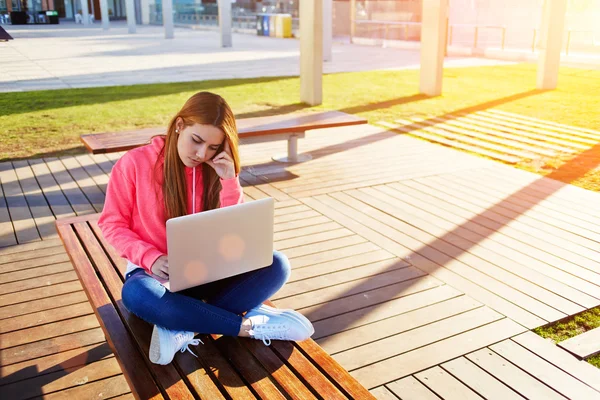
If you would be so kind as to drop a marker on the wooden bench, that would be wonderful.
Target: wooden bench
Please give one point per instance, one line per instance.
(289, 127)
(226, 367)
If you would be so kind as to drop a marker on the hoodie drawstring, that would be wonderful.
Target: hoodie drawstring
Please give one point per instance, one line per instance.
(194, 190)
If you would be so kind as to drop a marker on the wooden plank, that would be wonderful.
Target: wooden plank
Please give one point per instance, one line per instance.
(33, 283)
(61, 380)
(102, 294)
(99, 177)
(339, 264)
(583, 345)
(102, 161)
(22, 220)
(336, 373)
(52, 192)
(211, 367)
(447, 242)
(419, 204)
(523, 135)
(486, 216)
(474, 148)
(7, 231)
(119, 339)
(335, 278)
(26, 264)
(578, 290)
(46, 347)
(411, 389)
(43, 304)
(527, 220)
(42, 215)
(45, 317)
(421, 255)
(284, 376)
(544, 123)
(108, 388)
(79, 203)
(347, 289)
(35, 272)
(309, 230)
(544, 371)
(39, 293)
(330, 255)
(397, 344)
(32, 254)
(28, 247)
(382, 393)
(583, 371)
(284, 227)
(518, 197)
(378, 325)
(419, 359)
(38, 333)
(366, 299)
(248, 367)
(479, 380)
(520, 381)
(296, 216)
(445, 385)
(54, 363)
(312, 239)
(87, 185)
(327, 245)
(504, 139)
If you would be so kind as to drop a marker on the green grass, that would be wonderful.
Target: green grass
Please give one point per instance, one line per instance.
(37, 123)
(573, 326)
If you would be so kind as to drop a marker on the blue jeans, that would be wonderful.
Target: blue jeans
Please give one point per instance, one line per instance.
(210, 308)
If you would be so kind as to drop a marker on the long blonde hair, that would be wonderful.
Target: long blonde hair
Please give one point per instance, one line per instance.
(203, 108)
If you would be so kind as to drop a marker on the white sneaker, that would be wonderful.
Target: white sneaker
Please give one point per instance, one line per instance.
(276, 324)
(272, 311)
(165, 343)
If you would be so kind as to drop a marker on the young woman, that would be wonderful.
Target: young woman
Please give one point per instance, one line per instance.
(193, 168)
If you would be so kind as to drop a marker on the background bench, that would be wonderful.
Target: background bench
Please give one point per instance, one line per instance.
(226, 367)
(289, 127)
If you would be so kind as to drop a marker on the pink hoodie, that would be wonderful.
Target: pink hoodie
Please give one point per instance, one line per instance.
(133, 218)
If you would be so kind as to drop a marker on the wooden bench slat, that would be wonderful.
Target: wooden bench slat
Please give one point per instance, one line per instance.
(167, 376)
(117, 336)
(248, 128)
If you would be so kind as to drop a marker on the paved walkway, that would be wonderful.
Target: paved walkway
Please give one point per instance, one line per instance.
(73, 56)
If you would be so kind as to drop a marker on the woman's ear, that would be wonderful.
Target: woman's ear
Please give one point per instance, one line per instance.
(178, 125)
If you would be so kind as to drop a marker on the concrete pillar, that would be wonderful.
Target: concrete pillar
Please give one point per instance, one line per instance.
(145, 5)
(167, 14)
(311, 51)
(84, 12)
(130, 10)
(352, 17)
(553, 24)
(433, 40)
(327, 29)
(224, 7)
(104, 14)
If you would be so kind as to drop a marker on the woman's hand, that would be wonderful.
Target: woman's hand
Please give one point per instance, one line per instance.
(160, 267)
(222, 163)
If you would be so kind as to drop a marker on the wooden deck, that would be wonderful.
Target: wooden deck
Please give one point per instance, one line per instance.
(422, 268)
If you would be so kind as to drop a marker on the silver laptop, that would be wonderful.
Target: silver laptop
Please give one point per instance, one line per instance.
(217, 244)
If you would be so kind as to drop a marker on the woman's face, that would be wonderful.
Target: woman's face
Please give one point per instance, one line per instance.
(198, 143)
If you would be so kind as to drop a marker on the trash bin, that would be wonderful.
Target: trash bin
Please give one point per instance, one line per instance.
(18, 18)
(259, 25)
(272, 19)
(52, 17)
(265, 22)
(283, 26)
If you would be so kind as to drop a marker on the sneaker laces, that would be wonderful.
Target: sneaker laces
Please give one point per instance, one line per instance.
(270, 332)
(185, 346)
